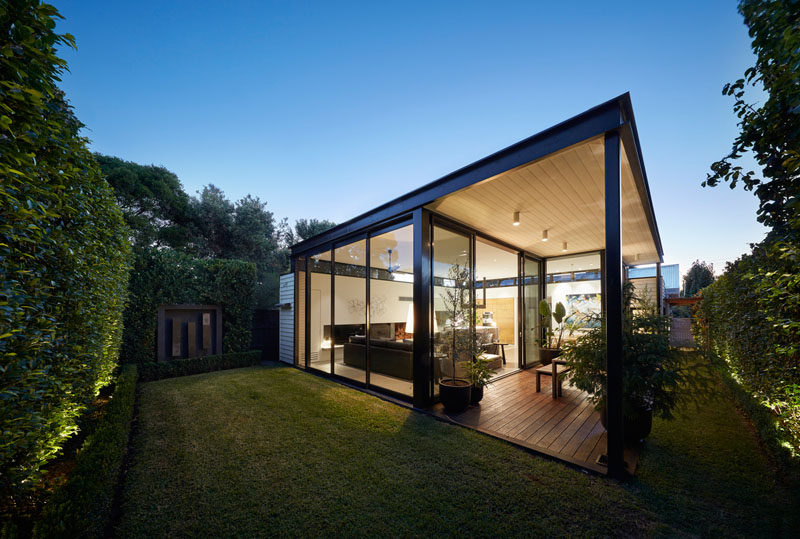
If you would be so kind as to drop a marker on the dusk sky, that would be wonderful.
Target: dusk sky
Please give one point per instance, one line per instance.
(329, 109)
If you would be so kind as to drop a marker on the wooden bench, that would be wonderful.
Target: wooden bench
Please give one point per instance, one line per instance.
(554, 370)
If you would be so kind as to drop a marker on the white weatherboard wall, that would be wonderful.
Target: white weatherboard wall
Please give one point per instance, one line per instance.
(645, 288)
(286, 351)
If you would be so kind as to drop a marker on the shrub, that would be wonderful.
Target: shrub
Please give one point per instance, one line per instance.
(158, 370)
(63, 253)
(82, 506)
(652, 372)
(164, 276)
(750, 317)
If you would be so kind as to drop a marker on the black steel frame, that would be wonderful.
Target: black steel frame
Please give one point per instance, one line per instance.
(614, 120)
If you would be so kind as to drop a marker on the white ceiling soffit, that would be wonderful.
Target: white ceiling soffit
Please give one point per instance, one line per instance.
(562, 193)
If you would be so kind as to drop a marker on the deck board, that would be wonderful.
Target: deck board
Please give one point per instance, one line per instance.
(567, 428)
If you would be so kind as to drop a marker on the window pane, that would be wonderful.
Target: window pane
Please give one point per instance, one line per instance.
(391, 319)
(579, 295)
(320, 312)
(496, 317)
(452, 310)
(350, 304)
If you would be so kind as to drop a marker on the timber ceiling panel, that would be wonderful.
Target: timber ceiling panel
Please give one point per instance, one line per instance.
(562, 193)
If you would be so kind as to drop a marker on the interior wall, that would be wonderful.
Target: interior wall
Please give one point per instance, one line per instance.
(349, 300)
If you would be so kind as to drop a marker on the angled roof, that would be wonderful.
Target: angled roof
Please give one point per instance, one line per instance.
(615, 114)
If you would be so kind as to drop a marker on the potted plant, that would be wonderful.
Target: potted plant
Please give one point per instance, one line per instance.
(479, 374)
(456, 342)
(551, 346)
(651, 371)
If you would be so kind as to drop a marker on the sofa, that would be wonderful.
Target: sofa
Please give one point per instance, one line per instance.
(387, 356)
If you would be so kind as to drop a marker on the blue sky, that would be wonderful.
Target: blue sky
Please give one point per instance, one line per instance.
(329, 109)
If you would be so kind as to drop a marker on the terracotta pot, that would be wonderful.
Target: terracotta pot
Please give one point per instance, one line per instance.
(455, 394)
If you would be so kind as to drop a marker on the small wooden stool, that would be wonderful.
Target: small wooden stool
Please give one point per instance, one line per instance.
(553, 370)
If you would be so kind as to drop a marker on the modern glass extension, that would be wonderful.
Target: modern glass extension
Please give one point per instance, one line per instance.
(361, 321)
(389, 298)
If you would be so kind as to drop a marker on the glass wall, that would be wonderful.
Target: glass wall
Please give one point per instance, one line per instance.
(321, 348)
(391, 317)
(453, 313)
(531, 296)
(496, 302)
(575, 282)
(350, 311)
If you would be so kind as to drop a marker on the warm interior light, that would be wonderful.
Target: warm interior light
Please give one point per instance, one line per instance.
(516, 218)
(410, 319)
(564, 247)
(544, 235)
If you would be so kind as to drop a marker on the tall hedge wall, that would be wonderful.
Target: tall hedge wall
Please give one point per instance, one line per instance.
(63, 253)
(164, 276)
(750, 317)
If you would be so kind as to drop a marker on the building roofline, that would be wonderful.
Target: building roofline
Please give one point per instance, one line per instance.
(607, 116)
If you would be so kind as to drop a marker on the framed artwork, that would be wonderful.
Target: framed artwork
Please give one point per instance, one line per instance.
(584, 305)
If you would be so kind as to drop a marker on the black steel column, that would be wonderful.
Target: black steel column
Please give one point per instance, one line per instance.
(659, 289)
(423, 282)
(612, 276)
(333, 310)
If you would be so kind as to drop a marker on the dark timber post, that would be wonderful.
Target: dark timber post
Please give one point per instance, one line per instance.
(659, 289)
(613, 279)
(423, 372)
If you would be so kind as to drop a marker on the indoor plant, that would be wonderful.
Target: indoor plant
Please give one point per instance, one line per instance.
(478, 373)
(551, 346)
(651, 371)
(456, 343)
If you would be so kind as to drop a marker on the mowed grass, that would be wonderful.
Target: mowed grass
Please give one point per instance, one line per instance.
(275, 451)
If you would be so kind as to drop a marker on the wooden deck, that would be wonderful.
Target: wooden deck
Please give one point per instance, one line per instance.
(567, 428)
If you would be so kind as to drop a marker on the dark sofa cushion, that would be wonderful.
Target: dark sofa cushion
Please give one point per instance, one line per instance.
(399, 345)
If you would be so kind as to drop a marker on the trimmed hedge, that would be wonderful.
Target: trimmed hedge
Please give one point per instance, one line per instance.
(167, 277)
(185, 367)
(82, 506)
(750, 318)
(63, 253)
(768, 428)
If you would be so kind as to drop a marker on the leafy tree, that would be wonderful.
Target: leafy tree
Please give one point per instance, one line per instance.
(769, 131)
(63, 252)
(214, 217)
(153, 202)
(244, 230)
(699, 276)
(306, 228)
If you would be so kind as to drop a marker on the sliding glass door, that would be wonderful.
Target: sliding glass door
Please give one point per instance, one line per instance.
(453, 318)
(497, 305)
(531, 294)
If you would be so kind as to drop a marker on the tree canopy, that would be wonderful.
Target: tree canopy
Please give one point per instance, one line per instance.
(770, 131)
(209, 225)
(699, 276)
(306, 228)
(153, 202)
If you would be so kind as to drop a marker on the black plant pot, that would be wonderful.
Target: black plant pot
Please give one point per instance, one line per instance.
(477, 394)
(547, 355)
(455, 394)
(635, 428)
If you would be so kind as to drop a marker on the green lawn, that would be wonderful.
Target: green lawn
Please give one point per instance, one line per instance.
(275, 451)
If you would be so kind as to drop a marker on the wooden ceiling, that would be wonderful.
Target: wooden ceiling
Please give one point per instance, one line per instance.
(561, 193)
